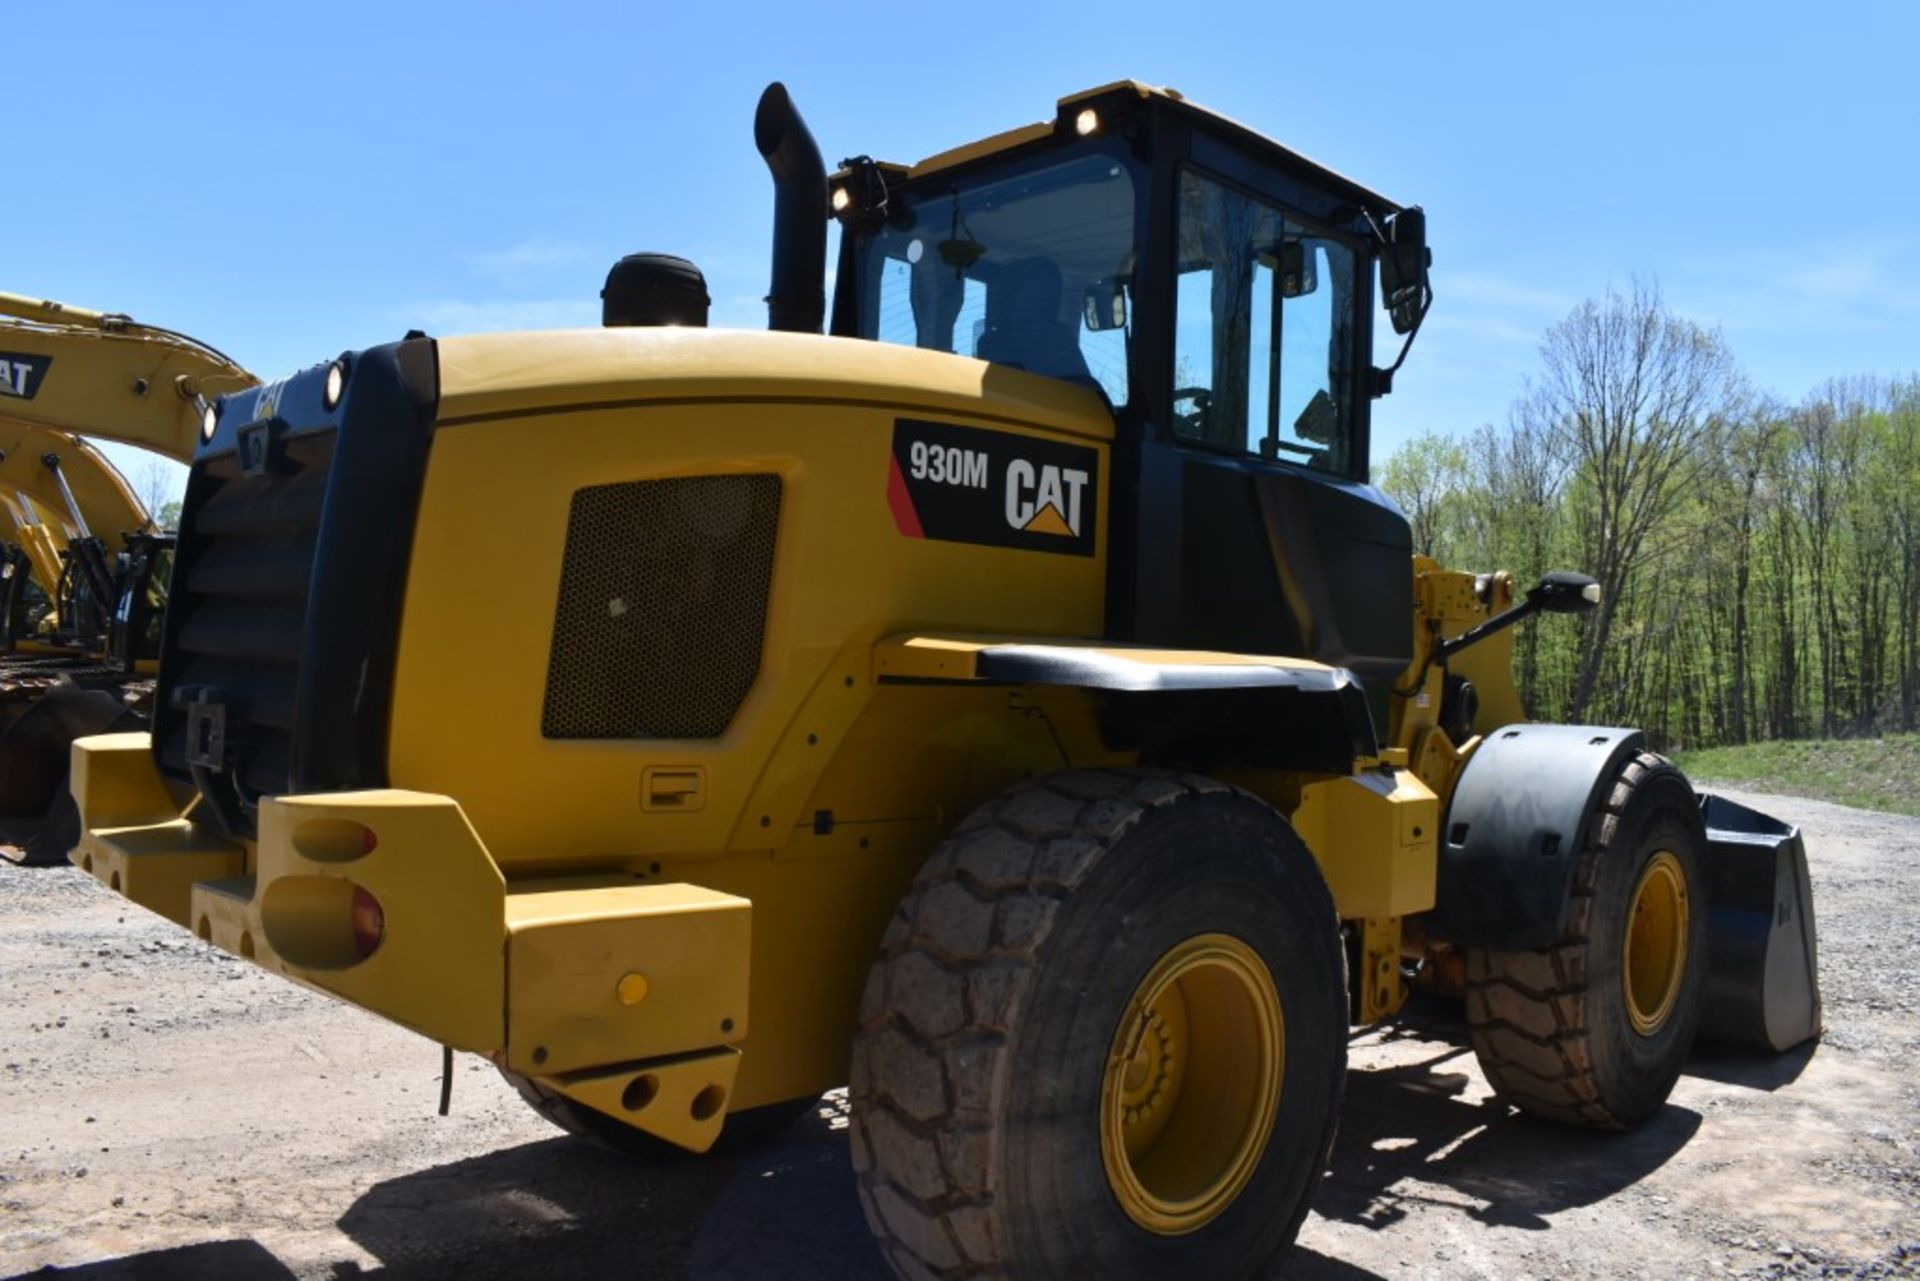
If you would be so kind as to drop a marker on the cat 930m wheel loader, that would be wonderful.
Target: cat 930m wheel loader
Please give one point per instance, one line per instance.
(1013, 703)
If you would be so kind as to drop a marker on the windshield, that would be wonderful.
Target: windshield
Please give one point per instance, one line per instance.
(1033, 271)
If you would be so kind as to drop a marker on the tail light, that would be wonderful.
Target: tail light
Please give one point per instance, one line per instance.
(369, 923)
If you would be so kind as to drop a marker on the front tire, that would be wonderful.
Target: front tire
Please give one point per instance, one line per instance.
(1593, 1030)
(1105, 1036)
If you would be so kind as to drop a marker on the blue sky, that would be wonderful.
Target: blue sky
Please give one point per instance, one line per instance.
(288, 181)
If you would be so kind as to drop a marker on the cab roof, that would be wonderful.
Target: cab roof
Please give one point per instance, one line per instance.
(1001, 143)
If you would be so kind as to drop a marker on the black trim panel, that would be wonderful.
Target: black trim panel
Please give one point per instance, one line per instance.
(277, 669)
(1202, 715)
(360, 569)
(1097, 669)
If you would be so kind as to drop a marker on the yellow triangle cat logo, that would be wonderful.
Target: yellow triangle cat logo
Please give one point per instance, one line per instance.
(1048, 520)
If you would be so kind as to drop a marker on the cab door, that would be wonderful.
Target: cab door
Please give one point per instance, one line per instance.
(1256, 514)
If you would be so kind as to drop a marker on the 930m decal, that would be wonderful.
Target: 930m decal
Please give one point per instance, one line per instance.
(970, 485)
(20, 373)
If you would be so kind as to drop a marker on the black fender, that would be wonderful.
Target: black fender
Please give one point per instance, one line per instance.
(1190, 708)
(1516, 822)
(1180, 709)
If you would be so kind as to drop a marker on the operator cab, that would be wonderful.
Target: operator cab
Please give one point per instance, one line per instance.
(1217, 291)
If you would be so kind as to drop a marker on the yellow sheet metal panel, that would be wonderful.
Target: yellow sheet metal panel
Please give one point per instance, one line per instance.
(1006, 140)
(222, 914)
(1449, 596)
(115, 783)
(617, 972)
(843, 575)
(1382, 992)
(440, 965)
(683, 1100)
(1376, 838)
(484, 375)
(157, 865)
(946, 658)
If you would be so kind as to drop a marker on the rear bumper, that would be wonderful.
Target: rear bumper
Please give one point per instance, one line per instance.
(625, 994)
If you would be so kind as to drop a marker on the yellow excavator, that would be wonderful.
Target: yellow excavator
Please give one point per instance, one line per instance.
(83, 564)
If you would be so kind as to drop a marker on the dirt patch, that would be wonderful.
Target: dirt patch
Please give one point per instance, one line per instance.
(169, 1111)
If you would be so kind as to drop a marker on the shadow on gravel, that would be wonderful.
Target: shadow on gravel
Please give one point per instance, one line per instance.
(1732, 1066)
(562, 1207)
(243, 1260)
(1409, 1122)
(565, 1208)
(1303, 1264)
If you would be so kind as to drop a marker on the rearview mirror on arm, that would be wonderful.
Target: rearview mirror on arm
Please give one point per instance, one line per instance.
(1404, 260)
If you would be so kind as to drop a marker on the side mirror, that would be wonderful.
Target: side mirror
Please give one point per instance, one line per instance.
(1560, 592)
(1105, 306)
(1565, 592)
(1404, 261)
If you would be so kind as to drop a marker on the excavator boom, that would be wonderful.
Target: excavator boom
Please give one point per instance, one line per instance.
(69, 522)
(106, 375)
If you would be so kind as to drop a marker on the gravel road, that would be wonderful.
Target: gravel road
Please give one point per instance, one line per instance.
(167, 1111)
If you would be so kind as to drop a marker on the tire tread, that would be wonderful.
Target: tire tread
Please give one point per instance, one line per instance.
(1528, 1011)
(1053, 831)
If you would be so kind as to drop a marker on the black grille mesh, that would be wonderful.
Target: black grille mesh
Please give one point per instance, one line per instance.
(663, 607)
(238, 605)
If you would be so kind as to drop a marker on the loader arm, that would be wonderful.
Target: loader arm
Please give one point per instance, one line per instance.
(105, 375)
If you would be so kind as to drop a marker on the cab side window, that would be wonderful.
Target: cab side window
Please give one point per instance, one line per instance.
(1263, 331)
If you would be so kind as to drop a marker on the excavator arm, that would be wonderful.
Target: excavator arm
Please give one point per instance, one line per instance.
(52, 466)
(24, 525)
(106, 375)
(68, 372)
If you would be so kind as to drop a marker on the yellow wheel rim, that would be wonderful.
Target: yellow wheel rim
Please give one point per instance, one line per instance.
(1656, 947)
(1192, 1084)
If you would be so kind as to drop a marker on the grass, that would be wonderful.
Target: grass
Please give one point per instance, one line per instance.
(1871, 773)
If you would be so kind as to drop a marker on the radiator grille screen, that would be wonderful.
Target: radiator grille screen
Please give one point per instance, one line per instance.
(663, 607)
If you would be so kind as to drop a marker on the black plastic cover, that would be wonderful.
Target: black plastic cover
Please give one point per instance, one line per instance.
(654, 289)
(1517, 822)
(1763, 986)
(284, 612)
(1202, 715)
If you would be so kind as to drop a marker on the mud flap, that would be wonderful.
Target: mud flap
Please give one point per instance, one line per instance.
(1763, 987)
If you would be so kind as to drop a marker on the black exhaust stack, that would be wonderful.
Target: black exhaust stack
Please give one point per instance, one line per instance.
(798, 298)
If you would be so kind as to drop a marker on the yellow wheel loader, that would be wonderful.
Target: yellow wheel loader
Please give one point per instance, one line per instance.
(1013, 703)
(83, 566)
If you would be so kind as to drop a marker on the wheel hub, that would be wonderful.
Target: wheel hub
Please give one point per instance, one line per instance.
(1192, 1084)
(1654, 959)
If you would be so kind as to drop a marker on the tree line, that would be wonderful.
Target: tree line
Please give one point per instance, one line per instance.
(1759, 561)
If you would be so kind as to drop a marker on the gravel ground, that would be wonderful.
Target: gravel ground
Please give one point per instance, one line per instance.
(167, 1111)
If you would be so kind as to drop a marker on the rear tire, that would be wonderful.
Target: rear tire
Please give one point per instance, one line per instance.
(1081, 952)
(55, 836)
(744, 1130)
(1594, 1029)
